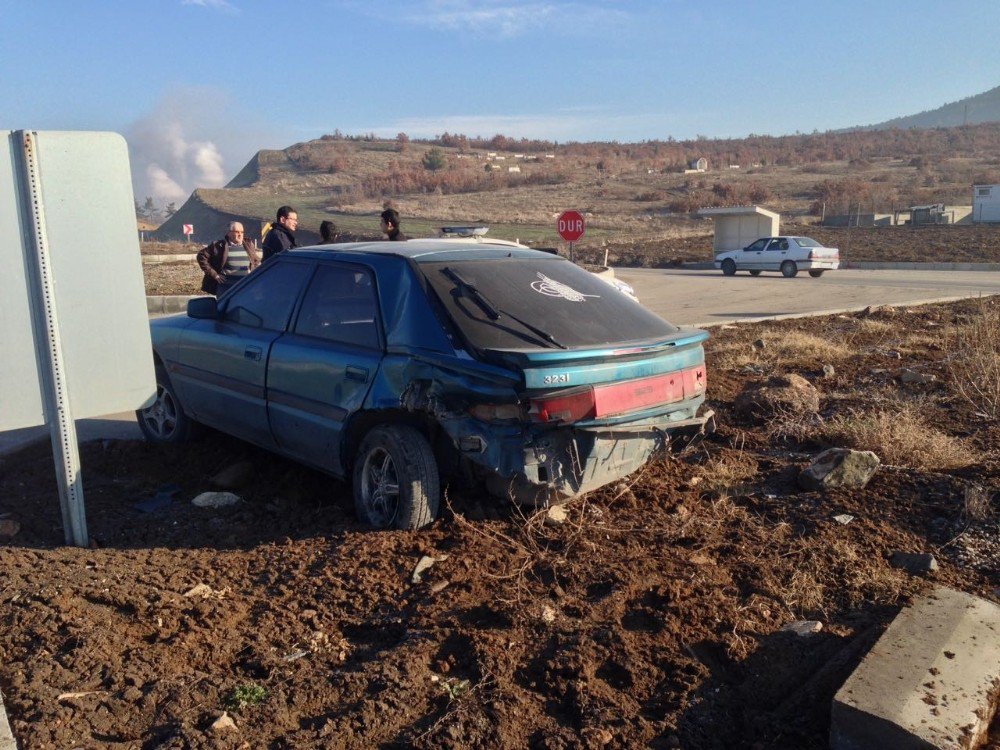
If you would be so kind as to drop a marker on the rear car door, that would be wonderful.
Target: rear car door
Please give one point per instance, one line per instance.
(749, 258)
(320, 372)
(774, 254)
(221, 366)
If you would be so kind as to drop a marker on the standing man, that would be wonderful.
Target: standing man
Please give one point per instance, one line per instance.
(282, 234)
(228, 260)
(390, 225)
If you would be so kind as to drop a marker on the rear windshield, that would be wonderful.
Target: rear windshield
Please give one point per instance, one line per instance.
(807, 242)
(519, 303)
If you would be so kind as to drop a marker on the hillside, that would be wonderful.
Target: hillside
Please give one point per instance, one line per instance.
(972, 110)
(629, 192)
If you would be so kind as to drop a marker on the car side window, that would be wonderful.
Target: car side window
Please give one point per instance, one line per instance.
(340, 306)
(758, 245)
(266, 302)
(777, 244)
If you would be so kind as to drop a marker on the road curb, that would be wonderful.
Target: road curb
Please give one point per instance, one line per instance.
(873, 266)
(166, 304)
(171, 258)
(929, 681)
(839, 311)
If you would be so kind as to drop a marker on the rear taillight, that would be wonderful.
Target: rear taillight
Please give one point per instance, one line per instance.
(595, 402)
(565, 406)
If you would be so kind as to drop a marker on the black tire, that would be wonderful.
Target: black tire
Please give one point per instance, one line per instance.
(816, 273)
(396, 483)
(165, 421)
(789, 269)
(729, 267)
(755, 273)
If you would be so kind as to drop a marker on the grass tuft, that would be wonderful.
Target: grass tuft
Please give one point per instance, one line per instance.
(901, 437)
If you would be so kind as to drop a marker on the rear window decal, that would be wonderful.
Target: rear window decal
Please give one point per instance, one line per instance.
(552, 288)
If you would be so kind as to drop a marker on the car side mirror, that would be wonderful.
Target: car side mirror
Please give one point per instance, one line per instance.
(203, 308)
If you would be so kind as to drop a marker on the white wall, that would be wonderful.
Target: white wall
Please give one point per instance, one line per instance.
(736, 232)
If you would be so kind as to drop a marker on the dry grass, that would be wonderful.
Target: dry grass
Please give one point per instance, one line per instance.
(899, 436)
(790, 350)
(729, 472)
(975, 362)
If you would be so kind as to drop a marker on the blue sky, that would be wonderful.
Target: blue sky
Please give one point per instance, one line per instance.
(198, 85)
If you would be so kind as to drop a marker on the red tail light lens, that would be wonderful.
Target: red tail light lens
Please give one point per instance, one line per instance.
(594, 402)
(567, 406)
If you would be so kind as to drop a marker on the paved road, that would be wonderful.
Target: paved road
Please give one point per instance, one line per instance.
(709, 298)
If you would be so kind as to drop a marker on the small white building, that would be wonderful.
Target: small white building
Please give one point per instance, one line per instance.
(513, 169)
(738, 226)
(985, 203)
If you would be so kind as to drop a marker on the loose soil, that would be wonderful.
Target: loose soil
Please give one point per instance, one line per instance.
(943, 244)
(651, 618)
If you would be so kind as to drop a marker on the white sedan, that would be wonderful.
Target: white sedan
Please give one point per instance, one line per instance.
(786, 254)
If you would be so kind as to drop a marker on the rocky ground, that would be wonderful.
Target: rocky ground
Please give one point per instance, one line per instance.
(652, 615)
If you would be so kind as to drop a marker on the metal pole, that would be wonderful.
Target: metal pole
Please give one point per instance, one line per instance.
(58, 413)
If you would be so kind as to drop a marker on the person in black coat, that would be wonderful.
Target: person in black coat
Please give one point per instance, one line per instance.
(282, 234)
(228, 260)
(390, 225)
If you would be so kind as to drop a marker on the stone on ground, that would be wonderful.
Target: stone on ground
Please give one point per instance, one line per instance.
(556, 515)
(915, 563)
(223, 724)
(803, 628)
(839, 467)
(215, 500)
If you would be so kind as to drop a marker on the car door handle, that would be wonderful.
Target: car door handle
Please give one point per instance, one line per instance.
(357, 373)
(252, 353)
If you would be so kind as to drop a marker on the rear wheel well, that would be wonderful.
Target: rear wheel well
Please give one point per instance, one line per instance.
(362, 422)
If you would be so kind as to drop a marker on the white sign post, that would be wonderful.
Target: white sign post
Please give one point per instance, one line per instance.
(74, 332)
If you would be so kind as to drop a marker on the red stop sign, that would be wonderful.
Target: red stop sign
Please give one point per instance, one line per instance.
(570, 225)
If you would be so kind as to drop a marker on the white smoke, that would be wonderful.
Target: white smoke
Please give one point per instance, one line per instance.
(186, 141)
(162, 187)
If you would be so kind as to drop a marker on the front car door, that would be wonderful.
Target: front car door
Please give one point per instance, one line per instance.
(221, 367)
(320, 372)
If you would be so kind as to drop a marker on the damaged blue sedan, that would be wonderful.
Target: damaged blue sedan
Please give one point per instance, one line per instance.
(400, 366)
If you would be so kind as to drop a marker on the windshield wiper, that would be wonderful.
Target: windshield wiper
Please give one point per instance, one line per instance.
(495, 312)
(488, 307)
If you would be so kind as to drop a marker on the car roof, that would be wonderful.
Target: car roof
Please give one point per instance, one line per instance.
(428, 250)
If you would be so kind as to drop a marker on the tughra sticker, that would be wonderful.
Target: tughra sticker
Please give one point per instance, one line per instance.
(552, 288)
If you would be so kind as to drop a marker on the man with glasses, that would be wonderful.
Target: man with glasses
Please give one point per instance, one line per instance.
(281, 237)
(228, 260)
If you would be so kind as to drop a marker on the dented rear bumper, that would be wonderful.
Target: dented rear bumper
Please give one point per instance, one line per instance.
(566, 463)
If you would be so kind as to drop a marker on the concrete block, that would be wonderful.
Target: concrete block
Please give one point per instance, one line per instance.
(7, 741)
(930, 681)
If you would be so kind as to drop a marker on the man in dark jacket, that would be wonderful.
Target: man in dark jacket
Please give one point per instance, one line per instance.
(390, 225)
(282, 234)
(228, 260)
